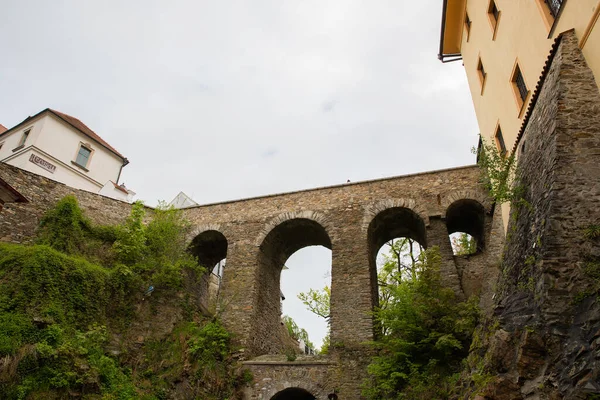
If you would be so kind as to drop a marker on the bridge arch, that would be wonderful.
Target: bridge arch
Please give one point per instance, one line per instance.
(288, 234)
(467, 216)
(293, 393)
(467, 194)
(209, 247)
(388, 224)
(315, 216)
(374, 209)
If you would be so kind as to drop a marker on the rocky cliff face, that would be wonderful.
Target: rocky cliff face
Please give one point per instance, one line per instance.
(543, 341)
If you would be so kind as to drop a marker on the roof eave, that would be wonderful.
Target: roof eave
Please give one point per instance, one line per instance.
(443, 56)
(125, 161)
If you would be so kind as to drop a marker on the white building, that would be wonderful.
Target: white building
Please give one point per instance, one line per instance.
(64, 149)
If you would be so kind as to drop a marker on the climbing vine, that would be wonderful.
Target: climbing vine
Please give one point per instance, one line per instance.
(498, 171)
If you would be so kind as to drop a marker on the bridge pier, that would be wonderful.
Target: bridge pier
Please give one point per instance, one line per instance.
(437, 235)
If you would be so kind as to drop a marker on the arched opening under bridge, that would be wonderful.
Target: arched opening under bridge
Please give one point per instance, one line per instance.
(210, 249)
(465, 221)
(396, 237)
(293, 394)
(270, 333)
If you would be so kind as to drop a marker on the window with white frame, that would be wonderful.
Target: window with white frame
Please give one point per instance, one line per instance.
(83, 156)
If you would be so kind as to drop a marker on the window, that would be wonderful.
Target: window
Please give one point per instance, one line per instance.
(83, 156)
(482, 74)
(494, 16)
(500, 141)
(519, 87)
(494, 10)
(467, 25)
(549, 10)
(554, 6)
(24, 137)
(23, 140)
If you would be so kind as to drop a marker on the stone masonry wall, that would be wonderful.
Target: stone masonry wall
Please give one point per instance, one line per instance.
(271, 377)
(19, 221)
(548, 314)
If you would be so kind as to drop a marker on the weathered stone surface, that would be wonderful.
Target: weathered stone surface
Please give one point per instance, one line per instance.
(19, 221)
(271, 377)
(353, 220)
(546, 303)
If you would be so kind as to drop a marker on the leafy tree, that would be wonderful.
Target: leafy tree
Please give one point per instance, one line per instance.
(427, 334)
(296, 332)
(317, 301)
(464, 244)
(326, 342)
(399, 263)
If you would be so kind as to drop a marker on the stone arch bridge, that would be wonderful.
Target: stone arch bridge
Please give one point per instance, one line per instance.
(354, 220)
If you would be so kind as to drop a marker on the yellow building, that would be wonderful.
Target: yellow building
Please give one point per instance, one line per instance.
(504, 45)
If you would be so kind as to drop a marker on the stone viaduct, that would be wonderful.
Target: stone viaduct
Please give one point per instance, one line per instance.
(354, 220)
(258, 235)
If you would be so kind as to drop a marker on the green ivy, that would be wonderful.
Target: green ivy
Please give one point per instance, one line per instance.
(498, 172)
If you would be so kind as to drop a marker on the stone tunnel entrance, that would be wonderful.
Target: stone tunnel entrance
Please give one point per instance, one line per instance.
(293, 394)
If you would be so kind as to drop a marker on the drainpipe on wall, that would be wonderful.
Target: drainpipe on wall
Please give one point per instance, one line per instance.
(125, 162)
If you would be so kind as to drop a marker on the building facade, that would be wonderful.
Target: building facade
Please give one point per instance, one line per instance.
(504, 46)
(62, 148)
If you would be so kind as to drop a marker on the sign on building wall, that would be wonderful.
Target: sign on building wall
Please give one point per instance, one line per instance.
(42, 163)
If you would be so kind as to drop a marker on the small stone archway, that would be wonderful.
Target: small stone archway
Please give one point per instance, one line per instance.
(284, 239)
(302, 378)
(467, 216)
(293, 393)
(209, 247)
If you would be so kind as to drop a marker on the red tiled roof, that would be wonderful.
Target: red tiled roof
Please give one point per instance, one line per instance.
(77, 124)
(10, 194)
(2, 129)
(121, 188)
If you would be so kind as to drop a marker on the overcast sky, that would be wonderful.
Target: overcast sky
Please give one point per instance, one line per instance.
(231, 99)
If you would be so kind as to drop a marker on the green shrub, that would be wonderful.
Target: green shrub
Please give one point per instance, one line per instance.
(210, 345)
